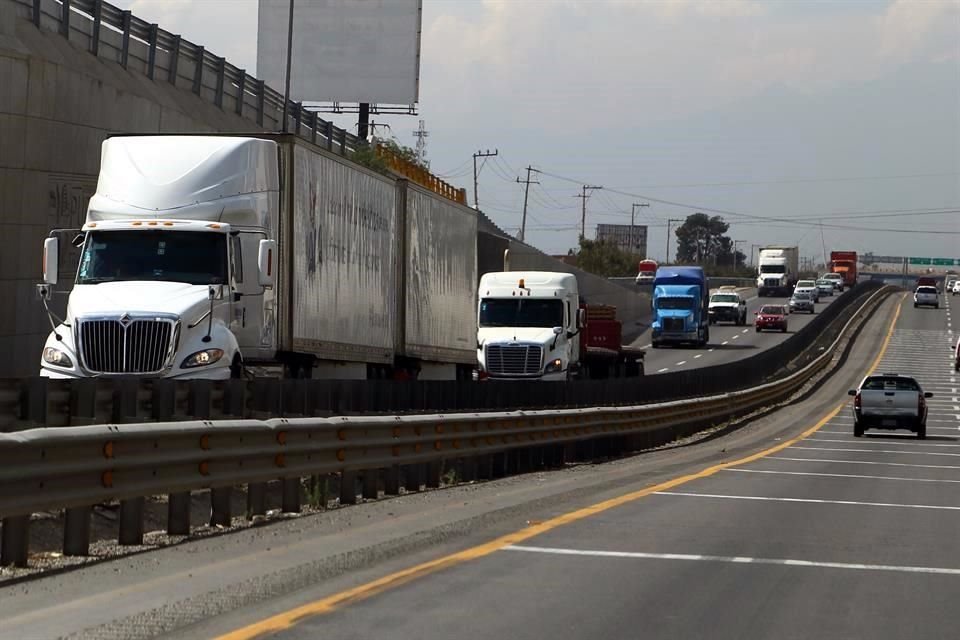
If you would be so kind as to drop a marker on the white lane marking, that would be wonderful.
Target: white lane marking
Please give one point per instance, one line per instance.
(725, 342)
(841, 475)
(699, 355)
(711, 350)
(745, 330)
(783, 562)
(884, 441)
(912, 453)
(647, 346)
(681, 363)
(886, 464)
(855, 503)
(662, 370)
(735, 337)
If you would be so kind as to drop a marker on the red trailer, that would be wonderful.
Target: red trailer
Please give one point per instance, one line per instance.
(844, 263)
(602, 354)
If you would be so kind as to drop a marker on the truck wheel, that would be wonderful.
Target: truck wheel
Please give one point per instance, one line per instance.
(922, 432)
(758, 329)
(236, 369)
(857, 430)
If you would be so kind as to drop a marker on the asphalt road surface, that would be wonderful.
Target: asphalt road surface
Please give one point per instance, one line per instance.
(787, 528)
(728, 342)
(829, 537)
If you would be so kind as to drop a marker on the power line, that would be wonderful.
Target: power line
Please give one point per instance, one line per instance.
(795, 181)
(725, 212)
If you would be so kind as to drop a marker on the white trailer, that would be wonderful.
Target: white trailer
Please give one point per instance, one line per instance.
(205, 255)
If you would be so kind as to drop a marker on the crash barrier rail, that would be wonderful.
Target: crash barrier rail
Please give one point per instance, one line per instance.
(116, 35)
(38, 402)
(74, 467)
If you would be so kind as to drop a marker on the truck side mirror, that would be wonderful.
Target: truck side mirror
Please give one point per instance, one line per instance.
(852, 392)
(267, 263)
(581, 318)
(557, 330)
(51, 260)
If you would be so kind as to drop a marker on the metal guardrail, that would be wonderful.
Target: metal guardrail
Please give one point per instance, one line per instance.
(41, 402)
(116, 35)
(75, 467)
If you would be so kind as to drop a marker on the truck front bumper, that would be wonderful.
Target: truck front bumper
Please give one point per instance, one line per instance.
(200, 373)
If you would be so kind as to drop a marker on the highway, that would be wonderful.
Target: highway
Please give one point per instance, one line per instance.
(787, 528)
(727, 341)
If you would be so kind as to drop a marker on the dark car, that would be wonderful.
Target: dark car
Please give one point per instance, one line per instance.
(802, 302)
(771, 316)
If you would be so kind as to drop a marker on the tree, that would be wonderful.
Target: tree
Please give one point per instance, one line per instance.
(701, 240)
(605, 259)
(367, 156)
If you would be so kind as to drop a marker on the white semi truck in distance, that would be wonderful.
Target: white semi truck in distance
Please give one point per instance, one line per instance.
(778, 270)
(532, 325)
(205, 255)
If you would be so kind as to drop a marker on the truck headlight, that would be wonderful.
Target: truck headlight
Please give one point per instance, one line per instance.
(554, 365)
(202, 358)
(56, 357)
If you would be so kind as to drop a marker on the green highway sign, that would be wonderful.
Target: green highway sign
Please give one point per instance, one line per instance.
(943, 262)
(921, 261)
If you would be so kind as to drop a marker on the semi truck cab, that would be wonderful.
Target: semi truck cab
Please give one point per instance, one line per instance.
(528, 325)
(680, 306)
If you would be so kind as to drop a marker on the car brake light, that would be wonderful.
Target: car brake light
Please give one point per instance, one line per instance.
(856, 401)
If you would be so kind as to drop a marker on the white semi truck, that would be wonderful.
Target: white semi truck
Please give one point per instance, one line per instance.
(205, 256)
(532, 325)
(777, 271)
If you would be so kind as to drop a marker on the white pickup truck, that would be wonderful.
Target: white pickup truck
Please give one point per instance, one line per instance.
(890, 401)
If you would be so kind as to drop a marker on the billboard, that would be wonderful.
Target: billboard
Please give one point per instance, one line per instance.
(343, 50)
(629, 238)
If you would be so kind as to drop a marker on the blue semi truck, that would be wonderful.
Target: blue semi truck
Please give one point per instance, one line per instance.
(680, 300)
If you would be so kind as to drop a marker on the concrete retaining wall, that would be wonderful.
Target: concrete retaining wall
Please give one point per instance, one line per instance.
(57, 104)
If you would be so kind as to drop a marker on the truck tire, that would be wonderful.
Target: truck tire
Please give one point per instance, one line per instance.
(922, 432)
(857, 430)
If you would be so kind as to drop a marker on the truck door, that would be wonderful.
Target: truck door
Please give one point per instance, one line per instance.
(251, 323)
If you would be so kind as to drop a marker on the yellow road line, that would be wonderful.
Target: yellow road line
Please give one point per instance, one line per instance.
(289, 618)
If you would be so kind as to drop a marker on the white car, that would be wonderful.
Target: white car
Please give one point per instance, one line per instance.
(835, 278)
(808, 286)
(956, 288)
(727, 305)
(926, 296)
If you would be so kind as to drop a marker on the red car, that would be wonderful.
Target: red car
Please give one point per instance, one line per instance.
(771, 316)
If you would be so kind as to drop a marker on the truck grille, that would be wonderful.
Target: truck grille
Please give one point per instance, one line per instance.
(134, 345)
(673, 324)
(772, 282)
(514, 359)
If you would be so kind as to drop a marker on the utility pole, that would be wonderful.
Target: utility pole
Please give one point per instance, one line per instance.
(666, 256)
(480, 154)
(421, 135)
(526, 192)
(633, 210)
(583, 215)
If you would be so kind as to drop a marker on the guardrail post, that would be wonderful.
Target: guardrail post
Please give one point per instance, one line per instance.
(221, 70)
(76, 531)
(198, 404)
(125, 47)
(328, 133)
(83, 401)
(33, 401)
(15, 544)
(220, 506)
(468, 469)
(198, 53)
(391, 481)
(97, 19)
(131, 521)
(125, 399)
(484, 467)
(65, 19)
(256, 499)
(241, 91)
(163, 399)
(235, 398)
(434, 473)
(260, 91)
(499, 464)
(371, 484)
(290, 502)
(348, 487)
(178, 514)
(413, 477)
(152, 55)
(174, 60)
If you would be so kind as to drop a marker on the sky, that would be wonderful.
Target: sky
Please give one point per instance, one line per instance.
(830, 124)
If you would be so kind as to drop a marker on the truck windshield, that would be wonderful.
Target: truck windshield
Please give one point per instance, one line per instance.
(723, 297)
(528, 312)
(772, 268)
(174, 256)
(675, 303)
